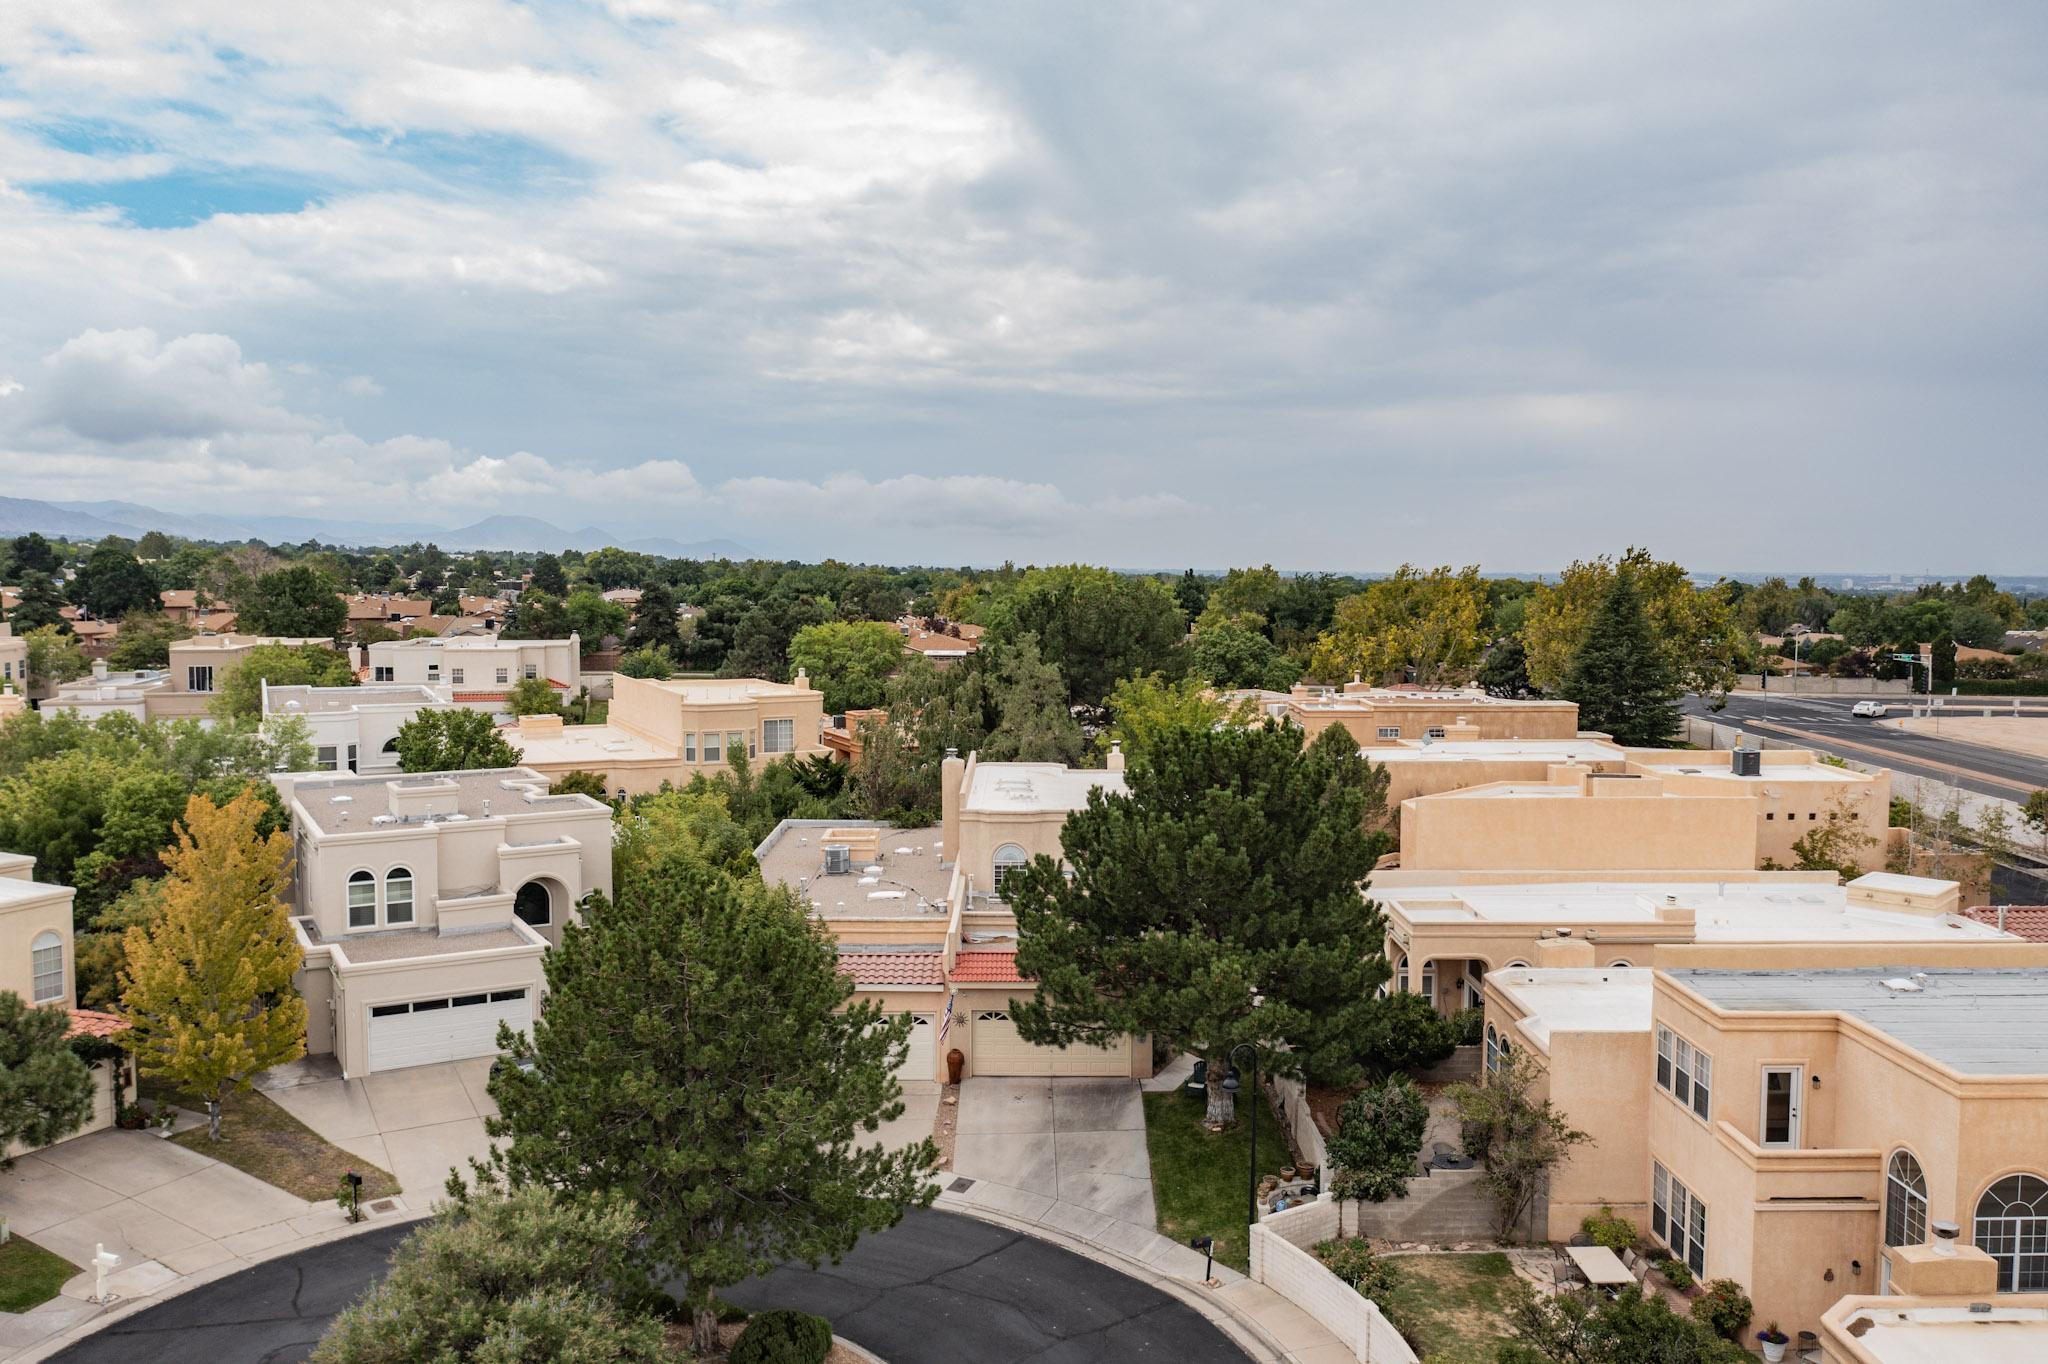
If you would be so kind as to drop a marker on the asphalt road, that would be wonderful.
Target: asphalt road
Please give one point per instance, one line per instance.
(1824, 723)
(938, 1289)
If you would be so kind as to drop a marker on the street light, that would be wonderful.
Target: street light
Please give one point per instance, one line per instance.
(1230, 1085)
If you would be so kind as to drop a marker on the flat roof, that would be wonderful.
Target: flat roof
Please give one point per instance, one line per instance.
(726, 690)
(1943, 1335)
(1450, 698)
(1805, 771)
(1983, 1021)
(295, 700)
(912, 880)
(593, 745)
(353, 804)
(1579, 999)
(1000, 788)
(1497, 750)
(1722, 912)
(399, 944)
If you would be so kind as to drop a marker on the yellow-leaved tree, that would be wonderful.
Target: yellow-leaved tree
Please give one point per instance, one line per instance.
(207, 990)
(1424, 622)
(1703, 643)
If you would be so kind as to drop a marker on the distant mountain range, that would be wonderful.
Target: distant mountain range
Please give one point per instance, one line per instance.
(525, 534)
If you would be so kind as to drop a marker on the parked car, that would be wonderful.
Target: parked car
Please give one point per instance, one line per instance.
(1867, 710)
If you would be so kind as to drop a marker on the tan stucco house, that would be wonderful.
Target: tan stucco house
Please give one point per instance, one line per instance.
(183, 690)
(668, 731)
(13, 661)
(424, 903)
(477, 672)
(1384, 716)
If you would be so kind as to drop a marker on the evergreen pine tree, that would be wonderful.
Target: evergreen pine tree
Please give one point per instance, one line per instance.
(1619, 676)
(654, 621)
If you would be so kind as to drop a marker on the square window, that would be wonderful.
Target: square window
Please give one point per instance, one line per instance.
(455, 676)
(1390, 731)
(504, 675)
(532, 671)
(778, 736)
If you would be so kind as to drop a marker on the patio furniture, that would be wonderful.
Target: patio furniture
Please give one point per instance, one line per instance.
(1601, 1266)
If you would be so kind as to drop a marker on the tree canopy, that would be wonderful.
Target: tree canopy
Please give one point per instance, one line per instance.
(1424, 623)
(295, 602)
(281, 665)
(452, 741)
(849, 661)
(1216, 902)
(45, 1090)
(1620, 677)
(1094, 626)
(1696, 633)
(113, 583)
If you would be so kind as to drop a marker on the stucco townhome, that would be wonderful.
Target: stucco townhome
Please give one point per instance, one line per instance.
(13, 661)
(199, 667)
(921, 922)
(668, 731)
(477, 672)
(36, 963)
(1386, 716)
(353, 729)
(1803, 1131)
(425, 902)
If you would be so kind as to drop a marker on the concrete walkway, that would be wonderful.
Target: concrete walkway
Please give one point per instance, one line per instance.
(169, 1213)
(419, 1123)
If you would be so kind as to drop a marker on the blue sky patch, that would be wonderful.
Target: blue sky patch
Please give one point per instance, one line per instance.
(496, 162)
(182, 198)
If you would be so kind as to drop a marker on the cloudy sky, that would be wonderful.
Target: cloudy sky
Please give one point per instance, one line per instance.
(1334, 286)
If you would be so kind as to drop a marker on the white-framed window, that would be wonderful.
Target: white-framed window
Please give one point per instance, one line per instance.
(199, 677)
(1401, 975)
(1685, 1072)
(504, 676)
(992, 1016)
(532, 670)
(1390, 731)
(2012, 1228)
(690, 748)
(1475, 984)
(711, 745)
(455, 676)
(1905, 1201)
(46, 965)
(362, 900)
(778, 736)
(433, 672)
(1678, 1219)
(1492, 1050)
(325, 757)
(1009, 860)
(398, 896)
(1429, 981)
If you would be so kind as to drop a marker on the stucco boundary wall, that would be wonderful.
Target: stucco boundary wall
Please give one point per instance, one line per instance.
(1281, 1261)
(1927, 795)
(1826, 686)
(1290, 1099)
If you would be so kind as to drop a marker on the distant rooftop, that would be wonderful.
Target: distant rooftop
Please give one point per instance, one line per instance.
(1940, 1012)
(359, 804)
(1739, 911)
(911, 880)
(1464, 698)
(594, 745)
(1583, 749)
(2026, 921)
(702, 691)
(1579, 999)
(1000, 788)
(295, 700)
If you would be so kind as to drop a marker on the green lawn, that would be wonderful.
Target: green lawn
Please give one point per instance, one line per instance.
(30, 1275)
(259, 1138)
(1198, 1177)
(1454, 1305)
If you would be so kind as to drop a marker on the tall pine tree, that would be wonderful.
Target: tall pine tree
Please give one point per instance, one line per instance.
(1219, 902)
(1620, 677)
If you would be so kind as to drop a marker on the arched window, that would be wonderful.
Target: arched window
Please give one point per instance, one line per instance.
(1905, 1201)
(391, 744)
(534, 905)
(1518, 966)
(1617, 966)
(1009, 858)
(398, 896)
(1429, 980)
(46, 962)
(1401, 975)
(1492, 1050)
(2012, 1228)
(362, 900)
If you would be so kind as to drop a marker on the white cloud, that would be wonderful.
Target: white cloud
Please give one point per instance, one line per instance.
(125, 386)
(912, 503)
(361, 386)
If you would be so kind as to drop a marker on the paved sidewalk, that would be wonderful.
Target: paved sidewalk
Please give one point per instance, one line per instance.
(172, 1215)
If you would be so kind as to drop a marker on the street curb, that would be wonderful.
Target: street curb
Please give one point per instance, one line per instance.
(121, 1311)
(860, 1350)
(1247, 1335)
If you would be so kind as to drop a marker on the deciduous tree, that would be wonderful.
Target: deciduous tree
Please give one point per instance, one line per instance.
(295, 602)
(701, 1057)
(113, 583)
(1519, 1138)
(1227, 875)
(45, 1090)
(1702, 643)
(281, 665)
(1094, 626)
(53, 658)
(1378, 1137)
(849, 661)
(452, 741)
(207, 991)
(1422, 622)
(548, 575)
(652, 662)
(534, 696)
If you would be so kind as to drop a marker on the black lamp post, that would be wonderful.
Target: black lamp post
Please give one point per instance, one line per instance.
(1252, 1183)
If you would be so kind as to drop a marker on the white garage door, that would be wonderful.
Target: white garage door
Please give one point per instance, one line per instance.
(424, 1031)
(998, 1050)
(917, 1064)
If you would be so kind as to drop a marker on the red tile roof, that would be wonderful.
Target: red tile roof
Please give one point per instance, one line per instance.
(871, 969)
(2026, 921)
(984, 967)
(93, 1023)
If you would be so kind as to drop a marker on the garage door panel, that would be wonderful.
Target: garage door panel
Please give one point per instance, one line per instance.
(918, 1061)
(423, 1032)
(998, 1050)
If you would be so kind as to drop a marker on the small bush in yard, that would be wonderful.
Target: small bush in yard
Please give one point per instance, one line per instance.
(1605, 1228)
(783, 1337)
(1677, 1273)
(1723, 1309)
(1352, 1261)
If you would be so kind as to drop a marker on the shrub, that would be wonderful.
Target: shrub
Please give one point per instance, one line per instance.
(1723, 1309)
(1677, 1273)
(1352, 1261)
(783, 1336)
(1379, 1133)
(1404, 1032)
(1608, 1229)
(1470, 1025)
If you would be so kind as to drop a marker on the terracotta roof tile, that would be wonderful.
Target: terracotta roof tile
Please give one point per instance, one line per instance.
(870, 969)
(996, 968)
(2025, 921)
(93, 1023)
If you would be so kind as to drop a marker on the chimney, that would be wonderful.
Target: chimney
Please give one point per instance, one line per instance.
(802, 679)
(99, 670)
(1116, 755)
(952, 775)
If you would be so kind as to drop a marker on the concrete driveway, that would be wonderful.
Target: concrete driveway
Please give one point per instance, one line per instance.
(418, 1123)
(1068, 1152)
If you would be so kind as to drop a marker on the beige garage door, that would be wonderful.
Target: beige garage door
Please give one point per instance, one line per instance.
(999, 1051)
(917, 1061)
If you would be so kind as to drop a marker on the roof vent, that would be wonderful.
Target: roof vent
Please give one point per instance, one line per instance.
(1902, 985)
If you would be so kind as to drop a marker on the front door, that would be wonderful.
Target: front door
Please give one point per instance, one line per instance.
(1781, 1106)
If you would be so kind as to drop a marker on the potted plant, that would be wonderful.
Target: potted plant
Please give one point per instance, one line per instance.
(1774, 1341)
(166, 1119)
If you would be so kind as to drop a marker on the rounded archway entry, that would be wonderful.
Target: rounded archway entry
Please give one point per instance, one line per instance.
(534, 904)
